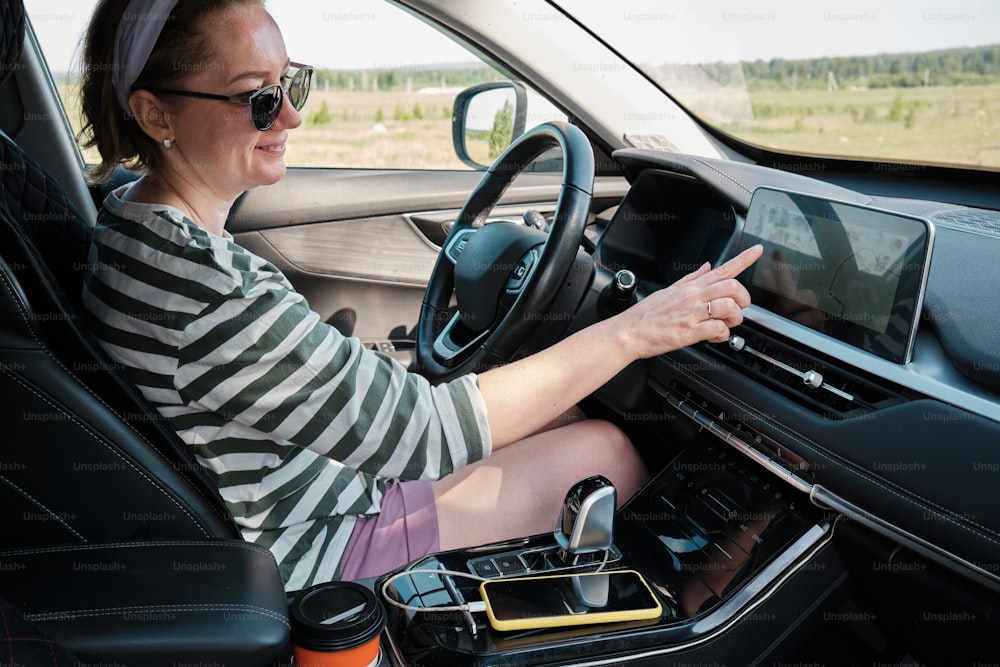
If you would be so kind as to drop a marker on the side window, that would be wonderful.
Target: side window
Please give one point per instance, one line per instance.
(384, 92)
(59, 26)
(386, 88)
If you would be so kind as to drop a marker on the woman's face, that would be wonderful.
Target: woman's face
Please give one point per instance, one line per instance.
(216, 145)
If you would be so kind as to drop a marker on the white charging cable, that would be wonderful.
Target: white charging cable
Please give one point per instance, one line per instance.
(471, 607)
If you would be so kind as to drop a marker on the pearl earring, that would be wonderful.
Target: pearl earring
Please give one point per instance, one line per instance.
(166, 143)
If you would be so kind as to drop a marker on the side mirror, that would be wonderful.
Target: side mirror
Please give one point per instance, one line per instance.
(486, 119)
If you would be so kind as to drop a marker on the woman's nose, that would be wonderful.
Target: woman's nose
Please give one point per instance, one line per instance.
(289, 117)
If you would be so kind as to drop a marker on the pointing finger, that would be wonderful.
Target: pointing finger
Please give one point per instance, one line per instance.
(738, 264)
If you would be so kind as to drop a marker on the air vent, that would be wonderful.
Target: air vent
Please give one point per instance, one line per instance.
(814, 382)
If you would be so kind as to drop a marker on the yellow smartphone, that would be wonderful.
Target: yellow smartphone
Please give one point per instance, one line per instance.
(525, 603)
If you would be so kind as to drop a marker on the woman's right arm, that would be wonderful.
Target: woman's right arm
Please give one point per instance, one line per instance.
(524, 396)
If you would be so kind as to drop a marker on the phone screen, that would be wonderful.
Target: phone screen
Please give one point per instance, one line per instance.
(568, 599)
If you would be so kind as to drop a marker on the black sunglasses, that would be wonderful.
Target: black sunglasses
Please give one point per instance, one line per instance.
(265, 103)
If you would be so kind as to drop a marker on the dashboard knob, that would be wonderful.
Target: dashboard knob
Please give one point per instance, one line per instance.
(620, 294)
(813, 379)
(737, 342)
(624, 285)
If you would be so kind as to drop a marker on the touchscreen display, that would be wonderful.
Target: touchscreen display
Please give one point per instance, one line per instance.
(852, 272)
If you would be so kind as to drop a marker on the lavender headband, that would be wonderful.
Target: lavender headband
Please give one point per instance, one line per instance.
(137, 32)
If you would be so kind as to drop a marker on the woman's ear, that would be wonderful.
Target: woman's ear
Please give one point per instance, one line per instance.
(154, 119)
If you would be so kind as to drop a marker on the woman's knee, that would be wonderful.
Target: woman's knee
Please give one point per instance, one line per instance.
(605, 438)
(607, 450)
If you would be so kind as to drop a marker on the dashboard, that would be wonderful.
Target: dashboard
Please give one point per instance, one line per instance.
(905, 441)
(799, 455)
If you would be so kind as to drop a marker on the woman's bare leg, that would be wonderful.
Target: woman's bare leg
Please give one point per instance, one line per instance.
(518, 491)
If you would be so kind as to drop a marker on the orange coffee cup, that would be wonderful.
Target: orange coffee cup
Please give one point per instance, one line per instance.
(337, 624)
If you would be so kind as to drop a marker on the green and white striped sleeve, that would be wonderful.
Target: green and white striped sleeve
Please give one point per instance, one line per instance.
(259, 356)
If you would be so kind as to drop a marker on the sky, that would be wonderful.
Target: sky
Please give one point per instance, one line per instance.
(699, 31)
(339, 33)
(323, 33)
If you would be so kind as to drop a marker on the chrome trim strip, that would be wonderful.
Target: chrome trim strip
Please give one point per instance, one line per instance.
(762, 580)
(810, 378)
(689, 408)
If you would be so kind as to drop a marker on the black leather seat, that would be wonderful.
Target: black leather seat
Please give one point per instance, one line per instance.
(84, 457)
(106, 516)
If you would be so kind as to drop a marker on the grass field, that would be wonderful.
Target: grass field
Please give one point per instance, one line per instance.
(957, 124)
(949, 124)
(382, 130)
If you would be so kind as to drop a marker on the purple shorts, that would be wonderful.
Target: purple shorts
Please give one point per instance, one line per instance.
(404, 530)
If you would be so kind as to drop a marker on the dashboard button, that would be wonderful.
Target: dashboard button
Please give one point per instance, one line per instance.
(486, 568)
(510, 564)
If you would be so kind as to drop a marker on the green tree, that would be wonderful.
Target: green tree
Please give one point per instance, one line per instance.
(502, 132)
(400, 115)
(896, 111)
(322, 116)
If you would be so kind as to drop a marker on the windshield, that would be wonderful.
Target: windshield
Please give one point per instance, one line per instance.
(915, 81)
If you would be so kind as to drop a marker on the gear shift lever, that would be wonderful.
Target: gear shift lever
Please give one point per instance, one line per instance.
(587, 521)
(585, 525)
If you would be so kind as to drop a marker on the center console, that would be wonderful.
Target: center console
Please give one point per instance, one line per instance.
(735, 556)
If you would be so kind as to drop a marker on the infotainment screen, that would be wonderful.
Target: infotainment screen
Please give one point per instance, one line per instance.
(854, 273)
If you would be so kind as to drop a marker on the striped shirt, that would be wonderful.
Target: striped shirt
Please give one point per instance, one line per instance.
(299, 426)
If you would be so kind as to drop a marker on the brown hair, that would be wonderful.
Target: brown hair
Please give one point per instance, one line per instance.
(180, 48)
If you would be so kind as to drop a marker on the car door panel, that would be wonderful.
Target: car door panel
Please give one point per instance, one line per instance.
(385, 249)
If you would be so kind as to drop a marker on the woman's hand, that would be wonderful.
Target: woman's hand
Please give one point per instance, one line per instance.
(703, 305)
(524, 396)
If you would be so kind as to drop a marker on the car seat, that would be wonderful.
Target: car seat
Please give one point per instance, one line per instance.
(84, 458)
(115, 545)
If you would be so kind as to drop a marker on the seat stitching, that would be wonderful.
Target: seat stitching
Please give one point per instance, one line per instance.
(111, 449)
(58, 362)
(90, 546)
(42, 506)
(101, 400)
(52, 652)
(6, 632)
(109, 611)
(723, 174)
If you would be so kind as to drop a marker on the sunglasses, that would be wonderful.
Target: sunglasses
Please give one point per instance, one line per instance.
(265, 103)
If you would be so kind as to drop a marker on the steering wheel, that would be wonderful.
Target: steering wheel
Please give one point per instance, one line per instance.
(504, 275)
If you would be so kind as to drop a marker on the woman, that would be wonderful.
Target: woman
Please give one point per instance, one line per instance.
(306, 433)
